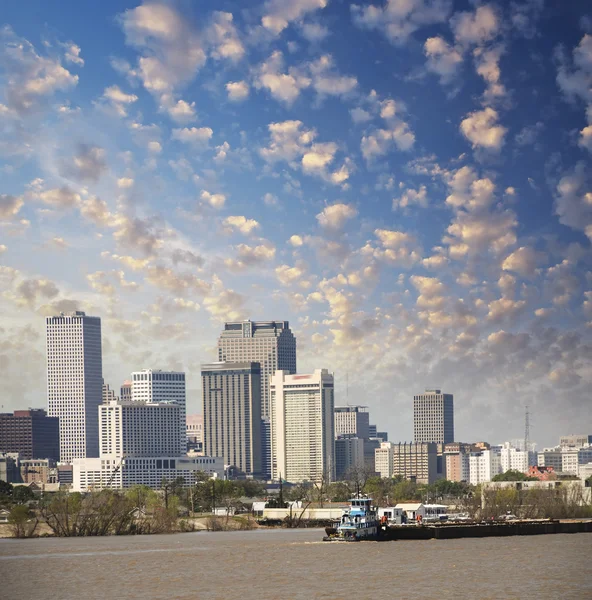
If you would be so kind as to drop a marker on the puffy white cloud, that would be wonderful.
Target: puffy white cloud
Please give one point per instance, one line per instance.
(224, 38)
(125, 183)
(397, 247)
(442, 59)
(398, 20)
(469, 192)
(504, 309)
(224, 304)
(314, 32)
(290, 275)
(573, 200)
(241, 223)
(476, 27)
(87, 165)
(280, 13)
(576, 82)
(359, 115)
(523, 261)
(31, 78)
(72, 54)
(336, 215)
(9, 205)
(296, 241)
(154, 147)
(237, 90)
(284, 87)
(198, 136)
(249, 256)
(482, 129)
(107, 283)
(214, 200)
(410, 197)
(291, 142)
(487, 62)
(118, 99)
(180, 111)
(327, 81)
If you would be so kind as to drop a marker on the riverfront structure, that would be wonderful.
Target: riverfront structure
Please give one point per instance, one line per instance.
(302, 426)
(433, 417)
(232, 414)
(75, 381)
(31, 433)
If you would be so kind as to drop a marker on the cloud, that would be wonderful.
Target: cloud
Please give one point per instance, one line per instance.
(30, 291)
(523, 261)
(193, 135)
(296, 241)
(469, 192)
(9, 205)
(475, 28)
(359, 115)
(125, 183)
(61, 198)
(410, 197)
(31, 78)
(87, 165)
(504, 309)
(293, 143)
(216, 201)
(141, 234)
(289, 275)
(180, 111)
(573, 199)
(397, 247)
(224, 304)
(224, 38)
(237, 90)
(483, 131)
(108, 283)
(118, 99)
(327, 81)
(336, 215)
(399, 20)
(284, 87)
(314, 32)
(524, 15)
(487, 62)
(187, 257)
(250, 256)
(241, 223)
(443, 60)
(528, 135)
(280, 13)
(576, 81)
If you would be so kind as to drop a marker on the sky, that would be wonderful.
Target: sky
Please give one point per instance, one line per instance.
(407, 182)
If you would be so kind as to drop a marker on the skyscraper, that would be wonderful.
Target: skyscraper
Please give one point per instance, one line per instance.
(302, 426)
(433, 417)
(31, 433)
(154, 385)
(232, 414)
(75, 381)
(352, 420)
(270, 343)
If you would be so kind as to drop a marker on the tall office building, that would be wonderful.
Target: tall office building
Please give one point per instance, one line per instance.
(302, 426)
(31, 433)
(75, 381)
(154, 385)
(433, 417)
(352, 420)
(232, 414)
(349, 456)
(270, 343)
(108, 393)
(126, 390)
(412, 461)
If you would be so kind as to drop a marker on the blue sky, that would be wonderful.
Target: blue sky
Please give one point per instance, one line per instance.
(408, 182)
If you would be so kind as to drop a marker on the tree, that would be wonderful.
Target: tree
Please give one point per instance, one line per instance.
(512, 475)
(5, 488)
(22, 522)
(22, 494)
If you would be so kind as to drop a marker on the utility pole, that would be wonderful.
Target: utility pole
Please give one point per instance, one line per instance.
(526, 430)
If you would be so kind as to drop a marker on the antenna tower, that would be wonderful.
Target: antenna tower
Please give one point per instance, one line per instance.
(526, 429)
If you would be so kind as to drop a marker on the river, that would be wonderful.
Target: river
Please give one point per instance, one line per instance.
(293, 564)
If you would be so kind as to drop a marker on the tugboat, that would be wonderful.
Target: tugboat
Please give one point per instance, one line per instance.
(358, 522)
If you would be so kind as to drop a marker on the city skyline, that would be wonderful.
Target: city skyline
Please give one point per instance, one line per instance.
(409, 189)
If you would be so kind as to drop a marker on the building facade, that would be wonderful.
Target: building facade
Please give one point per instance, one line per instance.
(270, 343)
(38, 470)
(349, 456)
(515, 459)
(575, 441)
(232, 414)
(195, 434)
(417, 461)
(550, 457)
(141, 429)
(31, 433)
(108, 394)
(433, 417)
(75, 381)
(483, 466)
(125, 391)
(302, 426)
(352, 420)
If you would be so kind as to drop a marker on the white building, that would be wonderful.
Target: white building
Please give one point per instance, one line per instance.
(232, 414)
(75, 381)
(141, 429)
(512, 458)
(484, 465)
(572, 458)
(158, 386)
(575, 441)
(352, 421)
(349, 456)
(195, 428)
(383, 460)
(414, 460)
(119, 472)
(302, 426)
(433, 417)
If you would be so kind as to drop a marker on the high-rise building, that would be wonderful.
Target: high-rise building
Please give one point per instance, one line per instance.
(31, 433)
(108, 393)
(75, 381)
(550, 457)
(433, 417)
(302, 426)
(575, 441)
(484, 465)
(154, 385)
(195, 433)
(349, 456)
(125, 392)
(232, 414)
(137, 429)
(270, 343)
(352, 420)
(415, 460)
(516, 459)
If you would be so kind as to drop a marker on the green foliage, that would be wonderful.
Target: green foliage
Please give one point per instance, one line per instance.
(22, 521)
(512, 475)
(22, 494)
(5, 488)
